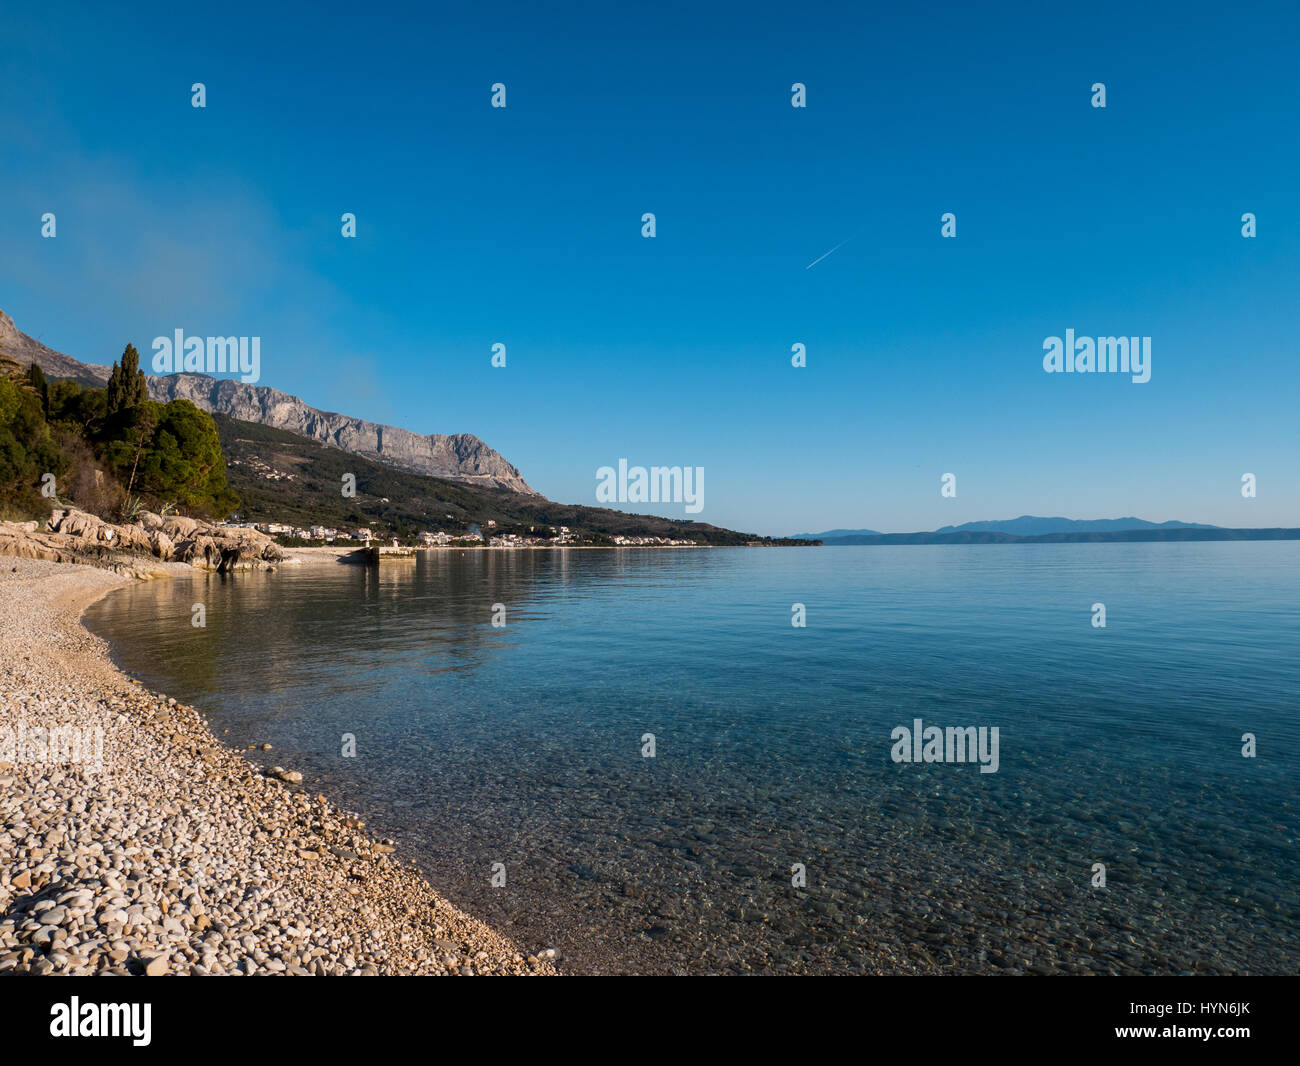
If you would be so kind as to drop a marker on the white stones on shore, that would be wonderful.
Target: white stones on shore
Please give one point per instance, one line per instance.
(292, 777)
(179, 857)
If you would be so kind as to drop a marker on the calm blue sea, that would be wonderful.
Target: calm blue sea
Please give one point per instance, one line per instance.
(525, 745)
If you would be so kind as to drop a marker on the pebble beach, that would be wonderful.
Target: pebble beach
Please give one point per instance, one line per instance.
(173, 854)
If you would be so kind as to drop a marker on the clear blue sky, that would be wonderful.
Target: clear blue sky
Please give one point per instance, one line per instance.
(523, 226)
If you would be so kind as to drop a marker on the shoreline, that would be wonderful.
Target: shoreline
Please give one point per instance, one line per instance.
(179, 855)
(321, 552)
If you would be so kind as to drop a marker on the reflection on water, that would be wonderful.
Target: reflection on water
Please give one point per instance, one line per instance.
(523, 744)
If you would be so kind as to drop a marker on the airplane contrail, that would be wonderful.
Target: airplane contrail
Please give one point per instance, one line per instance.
(831, 252)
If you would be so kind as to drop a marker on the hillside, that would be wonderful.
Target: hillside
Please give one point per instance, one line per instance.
(27, 351)
(457, 456)
(282, 477)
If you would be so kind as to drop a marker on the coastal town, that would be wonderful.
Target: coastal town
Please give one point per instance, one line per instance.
(472, 536)
(455, 532)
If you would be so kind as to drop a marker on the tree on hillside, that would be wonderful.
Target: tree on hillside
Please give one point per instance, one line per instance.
(127, 387)
(79, 409)
(26, 452)
(130, 417)
(110, 449)
(182, 463)
(36, 379)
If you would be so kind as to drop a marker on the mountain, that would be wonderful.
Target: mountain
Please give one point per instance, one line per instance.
(1032, 526)
(281, 477)
(836, 533)
(26, 350)
(456, 457)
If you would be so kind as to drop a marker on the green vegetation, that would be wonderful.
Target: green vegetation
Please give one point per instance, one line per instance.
(28, 451)
(108, 451)
(183, 463)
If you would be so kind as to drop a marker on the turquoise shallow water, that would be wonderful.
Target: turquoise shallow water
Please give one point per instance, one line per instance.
(522, 745)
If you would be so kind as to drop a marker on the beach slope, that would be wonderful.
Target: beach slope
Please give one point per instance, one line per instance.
(169, 853)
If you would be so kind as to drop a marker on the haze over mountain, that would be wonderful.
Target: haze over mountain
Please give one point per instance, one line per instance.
(1026, 526)
(455, 457)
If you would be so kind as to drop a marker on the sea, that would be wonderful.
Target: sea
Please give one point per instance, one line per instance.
(664, 761)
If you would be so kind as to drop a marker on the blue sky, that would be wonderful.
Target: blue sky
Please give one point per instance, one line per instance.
(523, 226)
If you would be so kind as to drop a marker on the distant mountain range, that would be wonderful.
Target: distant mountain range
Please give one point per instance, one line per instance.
(1031, 526)
(1029, 529)
(1099, 537)
(1024, 526)
(836, 533)
(455, 457)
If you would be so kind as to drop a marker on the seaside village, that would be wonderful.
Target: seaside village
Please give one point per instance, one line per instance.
(472, 536)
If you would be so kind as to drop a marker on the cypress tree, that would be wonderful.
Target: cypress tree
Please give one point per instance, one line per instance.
(126, 383)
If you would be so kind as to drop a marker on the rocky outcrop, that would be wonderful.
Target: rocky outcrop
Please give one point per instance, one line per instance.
(72, 536)
(456, 457)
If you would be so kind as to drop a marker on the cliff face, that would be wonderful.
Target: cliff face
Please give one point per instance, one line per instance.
(458, 457)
